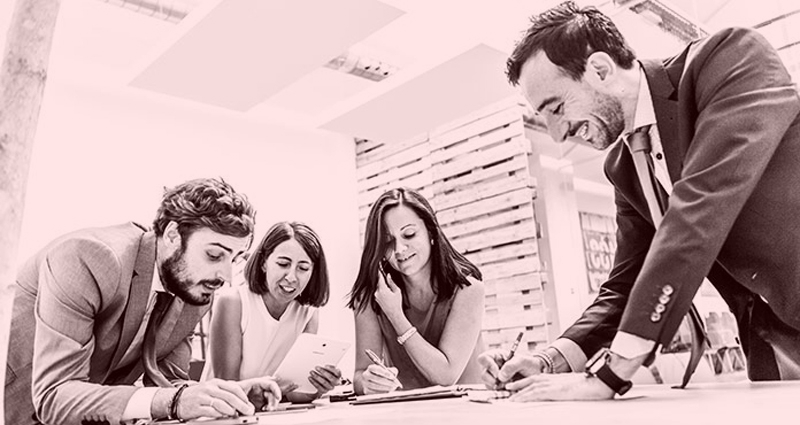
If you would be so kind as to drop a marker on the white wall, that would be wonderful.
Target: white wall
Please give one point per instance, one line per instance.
(104, 157)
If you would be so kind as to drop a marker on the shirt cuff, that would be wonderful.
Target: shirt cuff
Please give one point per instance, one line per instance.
(138, 406)
(630, 346)
(572, 353)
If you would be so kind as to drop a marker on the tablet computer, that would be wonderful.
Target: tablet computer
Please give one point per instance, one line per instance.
(308, 352)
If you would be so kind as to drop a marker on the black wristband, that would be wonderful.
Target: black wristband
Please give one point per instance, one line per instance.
(173, 405)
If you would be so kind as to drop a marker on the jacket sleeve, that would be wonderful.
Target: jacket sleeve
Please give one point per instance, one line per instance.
(741, 100)
(74, 279)
(598, 324)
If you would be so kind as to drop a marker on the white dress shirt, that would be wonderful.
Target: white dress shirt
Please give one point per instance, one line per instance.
(138, 406)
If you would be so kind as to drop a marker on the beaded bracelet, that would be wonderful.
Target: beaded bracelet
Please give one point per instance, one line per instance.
(406, 335)
(548, 361)
(173, 405)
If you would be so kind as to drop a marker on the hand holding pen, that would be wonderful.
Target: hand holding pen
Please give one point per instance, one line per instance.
(493, 362)
(378, 378)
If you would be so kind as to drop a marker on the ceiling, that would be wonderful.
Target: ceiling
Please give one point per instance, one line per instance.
(271, 60)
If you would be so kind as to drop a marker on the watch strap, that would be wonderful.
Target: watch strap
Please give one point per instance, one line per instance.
(608, 377)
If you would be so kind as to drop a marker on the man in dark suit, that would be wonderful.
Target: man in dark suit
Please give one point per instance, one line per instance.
(722, 118)
(82, 306)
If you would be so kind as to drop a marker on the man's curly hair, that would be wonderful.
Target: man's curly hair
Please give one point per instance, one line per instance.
(210, 203)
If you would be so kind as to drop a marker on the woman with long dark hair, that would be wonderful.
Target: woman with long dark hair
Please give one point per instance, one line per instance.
(418, 303)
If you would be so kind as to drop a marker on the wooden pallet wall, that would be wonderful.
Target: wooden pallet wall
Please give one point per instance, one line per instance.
(475, 174)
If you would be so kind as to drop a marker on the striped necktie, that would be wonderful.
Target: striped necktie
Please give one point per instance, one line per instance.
(657, 204)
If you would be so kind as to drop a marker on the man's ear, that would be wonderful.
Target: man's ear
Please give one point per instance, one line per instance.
(172, 237)
(600, 69)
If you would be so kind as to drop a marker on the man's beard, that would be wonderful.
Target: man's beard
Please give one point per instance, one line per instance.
(609, 109)
(173, 270)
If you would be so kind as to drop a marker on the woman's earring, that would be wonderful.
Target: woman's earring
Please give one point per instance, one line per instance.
(431, 241)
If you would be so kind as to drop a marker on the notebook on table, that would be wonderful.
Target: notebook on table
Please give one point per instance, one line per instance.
(428, 393)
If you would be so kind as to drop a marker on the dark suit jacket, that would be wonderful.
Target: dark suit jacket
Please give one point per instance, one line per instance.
(78, 305)
(727, 115)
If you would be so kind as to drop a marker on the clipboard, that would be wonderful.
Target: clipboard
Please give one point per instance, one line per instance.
(428, 393)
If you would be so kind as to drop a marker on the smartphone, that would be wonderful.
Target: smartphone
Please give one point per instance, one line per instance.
(382, 266)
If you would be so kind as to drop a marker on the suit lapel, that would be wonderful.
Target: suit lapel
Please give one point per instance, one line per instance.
(139, 294)
(660, 78)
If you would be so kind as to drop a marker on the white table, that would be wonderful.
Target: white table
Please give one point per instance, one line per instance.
(725, 403)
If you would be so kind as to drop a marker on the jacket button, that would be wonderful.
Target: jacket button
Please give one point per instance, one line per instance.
(667, 290)
(655, 317)
(663, 299)
(660, 308)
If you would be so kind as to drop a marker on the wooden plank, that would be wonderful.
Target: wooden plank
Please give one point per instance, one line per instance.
(517, 283)
(442, 140)
(486, 190)
(508, 252)
(481, 223)
(496, 237)
(515, 299)
(531, 281)
(510, 268)
(419, 181)
(486, 205)
(517, 164)
(508, 317)
(394, 174)
(400, 159)
(481, 114)
(366, 145)
(477, 143)
(504, 337)
(390, 149)
(509, 149)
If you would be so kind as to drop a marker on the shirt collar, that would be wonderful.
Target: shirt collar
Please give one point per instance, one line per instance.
(156, 285)
(645, 113)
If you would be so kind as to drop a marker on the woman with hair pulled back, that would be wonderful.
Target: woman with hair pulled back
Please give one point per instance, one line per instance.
(418, 303)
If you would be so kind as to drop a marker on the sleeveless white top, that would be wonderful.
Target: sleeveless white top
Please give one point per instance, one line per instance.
(265, 341)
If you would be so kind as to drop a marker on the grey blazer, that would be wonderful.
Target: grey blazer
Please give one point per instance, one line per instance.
(78, 305)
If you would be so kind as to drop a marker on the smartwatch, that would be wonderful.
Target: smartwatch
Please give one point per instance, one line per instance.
(598, 367)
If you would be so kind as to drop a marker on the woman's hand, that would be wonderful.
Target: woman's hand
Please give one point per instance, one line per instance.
(389, 296)
(324, 378)
(376, 379)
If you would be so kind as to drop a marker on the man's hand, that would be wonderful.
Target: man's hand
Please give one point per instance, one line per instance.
(560, 386)
(264, 393)
(217, 398)
(498, 370)
(572, 386)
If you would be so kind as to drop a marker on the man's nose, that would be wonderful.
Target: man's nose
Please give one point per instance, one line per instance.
(555, 129)
(225, 273)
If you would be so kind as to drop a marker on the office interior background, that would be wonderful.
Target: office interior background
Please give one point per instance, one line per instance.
(313, 108)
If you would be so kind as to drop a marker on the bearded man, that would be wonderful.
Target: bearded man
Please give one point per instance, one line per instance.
(80, 338)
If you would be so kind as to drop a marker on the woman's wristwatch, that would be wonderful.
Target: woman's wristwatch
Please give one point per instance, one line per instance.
(598, 367)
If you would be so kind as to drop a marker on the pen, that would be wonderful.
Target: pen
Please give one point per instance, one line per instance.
(513, 350)
(377, 360)
(515, 345)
